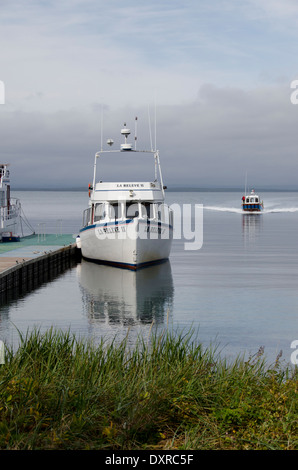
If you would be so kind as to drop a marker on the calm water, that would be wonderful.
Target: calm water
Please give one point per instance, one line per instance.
(239, 291)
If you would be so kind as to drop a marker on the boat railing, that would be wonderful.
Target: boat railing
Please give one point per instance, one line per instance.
(11, 210)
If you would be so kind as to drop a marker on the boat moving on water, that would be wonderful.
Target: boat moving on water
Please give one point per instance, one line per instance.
(252, 202)
(127, 224)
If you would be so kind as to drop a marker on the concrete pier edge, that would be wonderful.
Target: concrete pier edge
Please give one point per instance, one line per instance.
(26, 272)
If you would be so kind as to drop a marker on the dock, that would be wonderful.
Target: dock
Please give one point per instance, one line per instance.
(26, 264)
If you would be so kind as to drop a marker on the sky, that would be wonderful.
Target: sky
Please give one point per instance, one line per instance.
(210, 83)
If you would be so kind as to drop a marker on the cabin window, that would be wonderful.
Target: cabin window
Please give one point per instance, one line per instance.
(132, 210)
(99, 212)
(2, 198)
(115, 211)
(247, 199)
(147, 210)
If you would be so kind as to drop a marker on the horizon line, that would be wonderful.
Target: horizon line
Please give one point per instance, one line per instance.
(172, 188)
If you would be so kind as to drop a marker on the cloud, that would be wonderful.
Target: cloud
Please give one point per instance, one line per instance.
(78, 51)
(219, 71)
(209, 142)
(281, 9)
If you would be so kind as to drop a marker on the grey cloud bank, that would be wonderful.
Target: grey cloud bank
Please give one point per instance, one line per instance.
(210, 142)
(220, 71)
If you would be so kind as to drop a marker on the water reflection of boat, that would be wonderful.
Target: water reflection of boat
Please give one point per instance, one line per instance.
(251, 227)
(121, 296)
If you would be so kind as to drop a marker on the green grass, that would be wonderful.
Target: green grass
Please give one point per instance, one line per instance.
(57, 392)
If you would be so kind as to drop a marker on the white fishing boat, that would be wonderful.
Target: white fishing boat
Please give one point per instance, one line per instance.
(252, 202)
(10, 208)
(127, 224)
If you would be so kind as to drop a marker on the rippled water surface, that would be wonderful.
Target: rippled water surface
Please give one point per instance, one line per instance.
(239, 291)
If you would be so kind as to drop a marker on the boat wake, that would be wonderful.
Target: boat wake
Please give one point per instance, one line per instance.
(224, 209)
(282, 209)
(237, 210)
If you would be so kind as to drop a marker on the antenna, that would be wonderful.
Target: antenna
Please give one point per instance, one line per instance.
(155, 119)
(136, 121)
(101, 126)
(150, 128)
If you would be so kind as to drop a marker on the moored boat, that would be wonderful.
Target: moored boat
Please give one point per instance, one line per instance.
(10, 208)
(127, 224)
(252, 202)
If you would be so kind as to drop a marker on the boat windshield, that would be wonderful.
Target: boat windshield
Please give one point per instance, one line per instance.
(252, 199)
(147, 210)
(132, 210)
(128, 210)
(99, 212)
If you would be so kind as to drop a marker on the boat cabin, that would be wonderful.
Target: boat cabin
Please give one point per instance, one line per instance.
(252, 202)
(122, 201)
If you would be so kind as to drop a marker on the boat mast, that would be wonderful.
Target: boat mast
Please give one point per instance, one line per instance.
(136, 121)
(128, 147)
(157, 160)
(94, 172)
(101, 129)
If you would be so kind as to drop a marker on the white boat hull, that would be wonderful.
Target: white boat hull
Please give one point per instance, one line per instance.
(132, 243)
(127, 223)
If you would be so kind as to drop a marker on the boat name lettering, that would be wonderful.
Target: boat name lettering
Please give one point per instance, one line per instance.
(103, 230)
(155, 229)
(130, 185)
